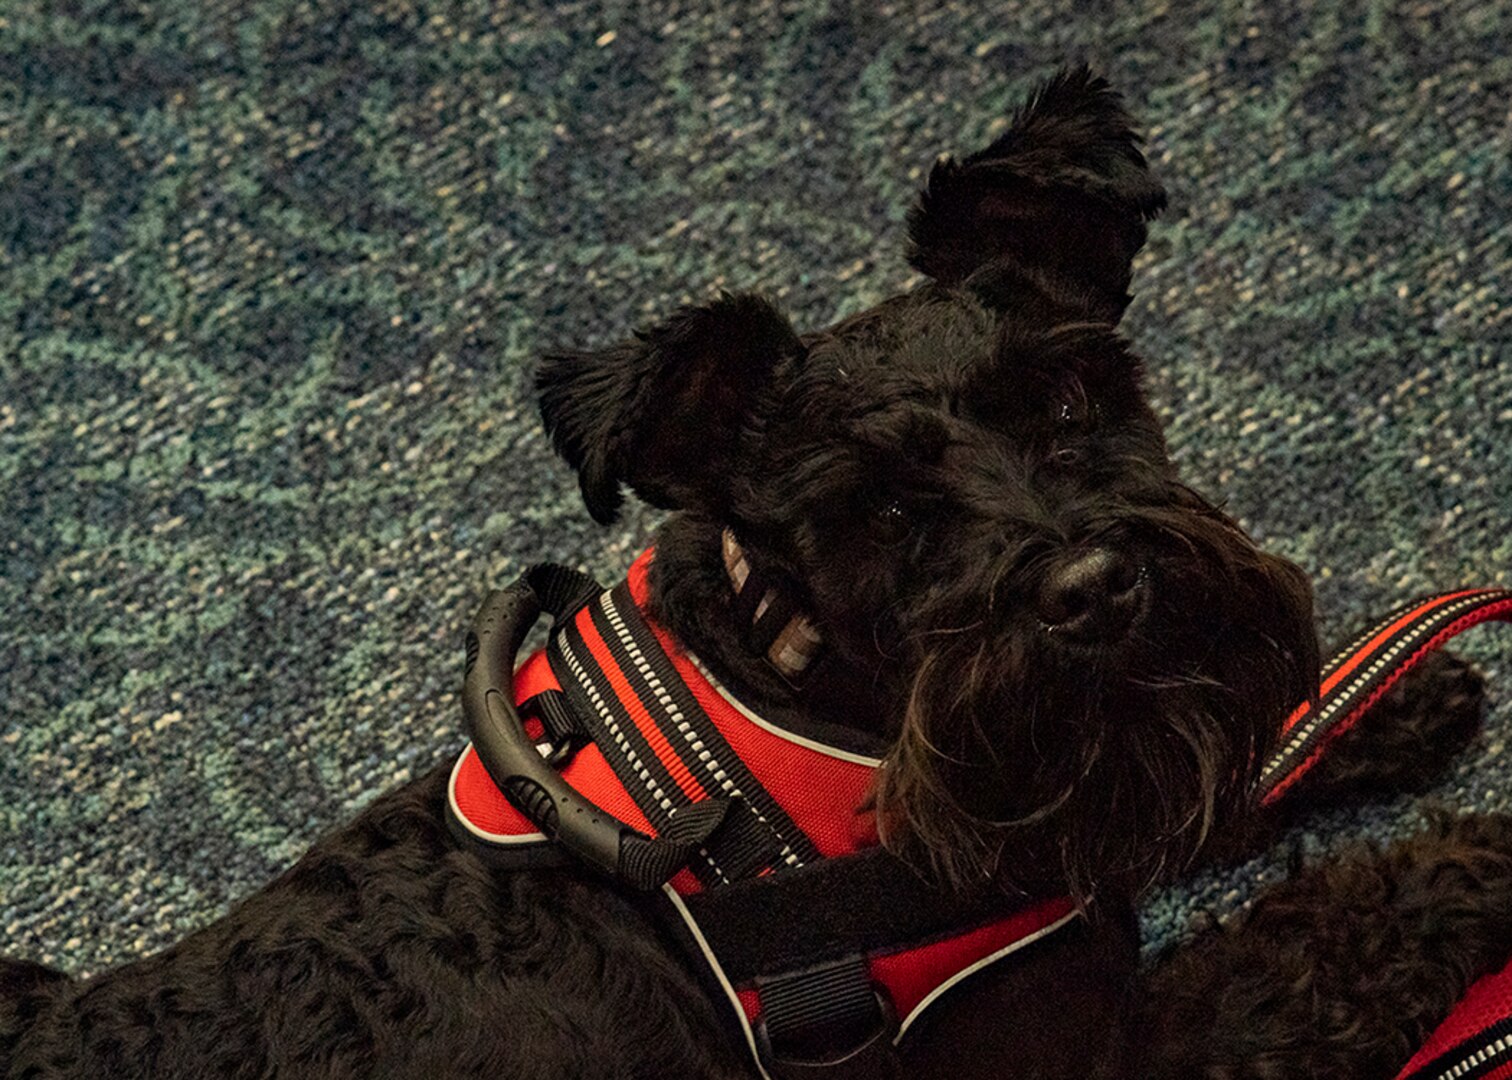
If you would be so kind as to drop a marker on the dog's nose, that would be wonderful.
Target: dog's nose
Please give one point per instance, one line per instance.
(1092, 596)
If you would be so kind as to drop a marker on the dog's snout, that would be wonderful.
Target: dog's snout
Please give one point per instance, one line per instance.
(1092, 595)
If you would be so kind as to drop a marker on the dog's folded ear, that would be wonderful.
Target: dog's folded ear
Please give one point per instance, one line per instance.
(1062, 197)
(663, 412)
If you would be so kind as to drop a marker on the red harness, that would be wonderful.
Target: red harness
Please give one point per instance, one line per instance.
(663, 736)
(828, 950)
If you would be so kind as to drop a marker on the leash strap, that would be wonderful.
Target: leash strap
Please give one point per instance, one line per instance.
(1357, 677)
(1476, 1039)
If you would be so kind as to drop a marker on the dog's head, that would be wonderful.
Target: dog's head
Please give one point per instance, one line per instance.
(1084, 661)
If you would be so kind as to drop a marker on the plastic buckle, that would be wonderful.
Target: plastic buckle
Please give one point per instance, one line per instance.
(562, 751)
(558, 745)
(875, 1057)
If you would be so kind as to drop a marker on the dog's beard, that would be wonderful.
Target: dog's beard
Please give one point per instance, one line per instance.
(1101, 771)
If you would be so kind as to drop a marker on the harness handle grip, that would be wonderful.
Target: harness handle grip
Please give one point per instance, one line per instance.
(507, 751)
(515, 765)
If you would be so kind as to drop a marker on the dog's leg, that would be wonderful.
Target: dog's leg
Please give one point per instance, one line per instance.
(1344, 970)
(25, 988)
(1404, 743)
(386, 951)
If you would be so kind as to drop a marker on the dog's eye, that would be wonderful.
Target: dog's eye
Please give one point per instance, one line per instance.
(1074, 416)
(893, 522)
(1074, 413)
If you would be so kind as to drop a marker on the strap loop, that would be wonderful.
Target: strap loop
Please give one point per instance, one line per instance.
(828, 1022)
(564, 731)
(647, 863)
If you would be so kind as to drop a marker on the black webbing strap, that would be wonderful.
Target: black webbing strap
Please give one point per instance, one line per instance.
(677, 844)
(561, 590)
(871, 901)
(827, 1021)
(742, 847)
(563, 728)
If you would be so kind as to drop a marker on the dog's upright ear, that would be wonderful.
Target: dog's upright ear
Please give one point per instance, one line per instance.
(664, 411)
(1062, 197)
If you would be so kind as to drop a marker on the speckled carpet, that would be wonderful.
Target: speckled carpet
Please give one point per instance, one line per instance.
(272, 276)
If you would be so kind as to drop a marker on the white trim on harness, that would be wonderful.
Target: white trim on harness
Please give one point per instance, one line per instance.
(713, 962)
(482, 834)
(781, 733)
(1011, 947)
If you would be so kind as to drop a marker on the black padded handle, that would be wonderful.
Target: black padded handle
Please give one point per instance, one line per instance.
(507, 751)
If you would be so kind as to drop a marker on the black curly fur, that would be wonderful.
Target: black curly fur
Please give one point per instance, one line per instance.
(387, 950)
(911, 476)
(1341, 972)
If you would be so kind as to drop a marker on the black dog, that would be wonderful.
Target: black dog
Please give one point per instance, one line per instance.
(1078, 662)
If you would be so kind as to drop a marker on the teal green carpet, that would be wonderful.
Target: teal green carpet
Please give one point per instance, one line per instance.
(272, 276)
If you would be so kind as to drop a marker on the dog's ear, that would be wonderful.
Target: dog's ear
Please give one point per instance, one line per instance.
(664, 411)
(1064, 193)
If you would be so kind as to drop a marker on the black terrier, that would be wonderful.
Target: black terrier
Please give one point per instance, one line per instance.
(1076, 665)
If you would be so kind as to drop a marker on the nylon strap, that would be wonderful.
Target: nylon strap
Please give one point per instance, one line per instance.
(561, 589)
(628, 697)
(563, 728)
(1477, 1056)
(1357, 677)
(806, 1015)
(871, 900)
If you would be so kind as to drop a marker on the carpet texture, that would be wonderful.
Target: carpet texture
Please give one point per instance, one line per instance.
(273, 275)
